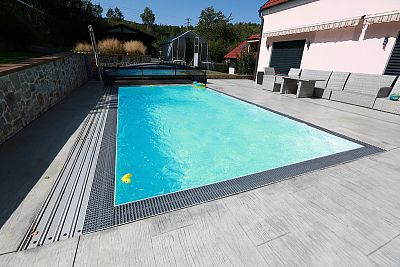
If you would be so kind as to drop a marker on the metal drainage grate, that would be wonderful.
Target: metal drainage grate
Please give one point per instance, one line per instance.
(102, 213)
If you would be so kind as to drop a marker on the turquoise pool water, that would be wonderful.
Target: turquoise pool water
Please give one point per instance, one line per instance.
(172, 138)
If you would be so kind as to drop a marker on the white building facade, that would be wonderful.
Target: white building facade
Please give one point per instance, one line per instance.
(337, 35)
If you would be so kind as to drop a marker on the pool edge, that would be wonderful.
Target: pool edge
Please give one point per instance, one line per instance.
(104, 214)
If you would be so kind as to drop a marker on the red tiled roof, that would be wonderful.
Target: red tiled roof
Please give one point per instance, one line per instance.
(236, 51)
(271, 3)
(254, 37)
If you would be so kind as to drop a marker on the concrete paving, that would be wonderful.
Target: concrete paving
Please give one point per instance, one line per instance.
(347, 215)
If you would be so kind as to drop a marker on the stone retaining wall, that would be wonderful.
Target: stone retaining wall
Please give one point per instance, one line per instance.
(27, 93)
(119, 60)
(123, 60)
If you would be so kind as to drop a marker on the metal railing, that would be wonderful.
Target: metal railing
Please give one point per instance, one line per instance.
(153, 71)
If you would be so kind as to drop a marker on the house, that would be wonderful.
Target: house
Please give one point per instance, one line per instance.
(187, 47)
(123, 32)
(340, 35)
(250, 44)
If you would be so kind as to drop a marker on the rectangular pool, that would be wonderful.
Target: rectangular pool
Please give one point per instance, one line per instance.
(173, 138)
(151, 72)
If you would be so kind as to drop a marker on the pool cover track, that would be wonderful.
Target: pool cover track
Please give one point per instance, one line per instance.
(95, 211)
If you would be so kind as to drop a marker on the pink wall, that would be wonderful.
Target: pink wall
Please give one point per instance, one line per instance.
(353, 49)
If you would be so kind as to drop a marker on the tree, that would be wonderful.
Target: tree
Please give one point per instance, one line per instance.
(115, 14)
(110, 13)
(216, 28)
(214, 25)
(148, 17)
(217, 49)
(243, 30)
(97, 11)
(118, 14)
(246, 62)
(59, 23)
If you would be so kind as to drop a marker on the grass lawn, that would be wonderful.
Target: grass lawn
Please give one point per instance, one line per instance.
(12, 57)
(211, 72)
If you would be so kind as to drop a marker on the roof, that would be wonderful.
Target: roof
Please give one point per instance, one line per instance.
(188, 34)
(271, 3)
(124, 31)
(236, 51)
(254, 37)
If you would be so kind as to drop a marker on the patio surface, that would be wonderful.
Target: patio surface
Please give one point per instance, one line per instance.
(346, 215)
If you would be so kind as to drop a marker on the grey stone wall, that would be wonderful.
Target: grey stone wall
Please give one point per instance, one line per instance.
(119, 60)
(26, 94)
(122, 60)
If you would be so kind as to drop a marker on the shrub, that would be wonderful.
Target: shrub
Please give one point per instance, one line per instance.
(83, 48)
(135, 48)
(110, 46)
(246, 62)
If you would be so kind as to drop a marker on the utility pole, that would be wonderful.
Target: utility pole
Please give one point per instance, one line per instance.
(187, 23)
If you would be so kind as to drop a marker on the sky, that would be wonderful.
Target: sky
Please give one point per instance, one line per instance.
(174, 12)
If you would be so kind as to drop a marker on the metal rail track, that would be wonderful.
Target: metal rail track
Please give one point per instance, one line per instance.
(63, 213)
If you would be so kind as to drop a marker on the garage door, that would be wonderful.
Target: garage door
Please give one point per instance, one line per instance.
(286, 55)
(393, 66)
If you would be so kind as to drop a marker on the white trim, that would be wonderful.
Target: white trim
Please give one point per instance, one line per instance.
(350, 22)
(383, 17)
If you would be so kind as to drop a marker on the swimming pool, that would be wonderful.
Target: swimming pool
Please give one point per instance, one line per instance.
(151, 72)
(173, 138)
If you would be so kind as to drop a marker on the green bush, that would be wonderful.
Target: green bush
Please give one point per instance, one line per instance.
(246, 62)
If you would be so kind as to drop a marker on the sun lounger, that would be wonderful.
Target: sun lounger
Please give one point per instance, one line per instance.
(303, 85)
(272, 82)
(293, 72)
(387, 105)
(269, 79)
(363, 89)
(311, 79)
(336, 82)
(288, 85)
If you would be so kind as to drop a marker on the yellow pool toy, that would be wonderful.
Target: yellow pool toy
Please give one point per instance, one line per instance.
(198, 85)
(126, 179)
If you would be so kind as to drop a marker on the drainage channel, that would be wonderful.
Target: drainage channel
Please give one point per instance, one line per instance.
(63, 213)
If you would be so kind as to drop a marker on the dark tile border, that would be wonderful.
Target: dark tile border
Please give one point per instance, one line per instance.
(102, 213)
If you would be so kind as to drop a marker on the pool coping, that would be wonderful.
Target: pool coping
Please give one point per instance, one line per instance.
(102, 213)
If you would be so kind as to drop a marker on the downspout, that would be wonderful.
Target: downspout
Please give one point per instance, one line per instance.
(259, 43)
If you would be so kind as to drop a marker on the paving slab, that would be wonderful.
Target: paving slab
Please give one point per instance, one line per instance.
(60, 254)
